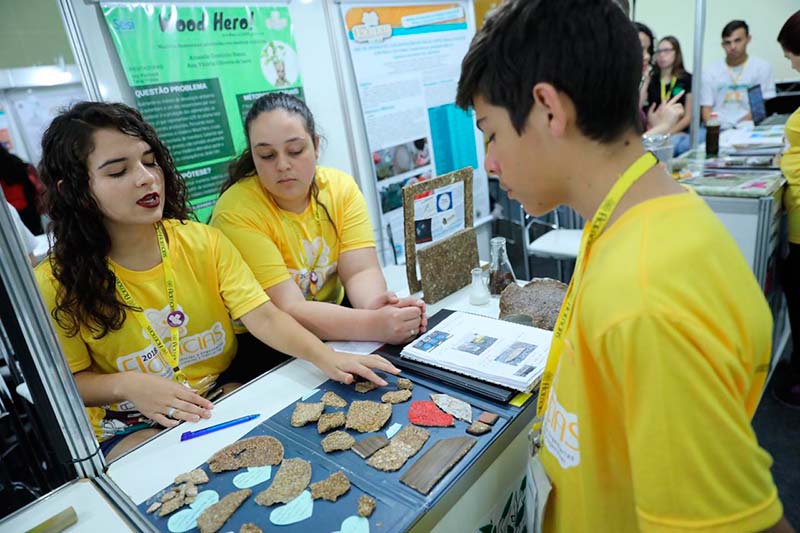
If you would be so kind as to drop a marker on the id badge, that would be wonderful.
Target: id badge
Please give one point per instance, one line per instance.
(538, 485)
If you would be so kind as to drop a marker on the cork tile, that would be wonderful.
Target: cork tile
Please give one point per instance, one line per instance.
(331, 399)
(292, 479)
(488, 418)
(478, 428)
(306, 412)
(436, 462)
(212, 519)
(404, 445)
(255, 451)
(366, 505)
(337, 441)
(367, 416)
(329, 421)
(330, 489)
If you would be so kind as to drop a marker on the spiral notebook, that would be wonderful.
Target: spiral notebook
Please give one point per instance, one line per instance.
(503, 353)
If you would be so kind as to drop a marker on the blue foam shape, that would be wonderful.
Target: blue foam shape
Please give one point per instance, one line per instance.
(354, 524)
(252, 477)
(309, 394)
(394, 428)
(295, 511)
(186, 519)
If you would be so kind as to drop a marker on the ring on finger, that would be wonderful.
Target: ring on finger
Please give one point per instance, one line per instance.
(413, 332)
(170, 412)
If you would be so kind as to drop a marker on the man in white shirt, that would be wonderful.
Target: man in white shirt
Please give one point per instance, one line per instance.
(35, 246)
(725, 83)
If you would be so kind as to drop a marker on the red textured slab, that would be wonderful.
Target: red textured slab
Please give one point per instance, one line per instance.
(488, 418)
(425, 413)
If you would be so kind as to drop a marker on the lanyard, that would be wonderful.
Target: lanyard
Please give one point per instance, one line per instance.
(735, 79)
(666, 93)
(590, 235)
(175, 318)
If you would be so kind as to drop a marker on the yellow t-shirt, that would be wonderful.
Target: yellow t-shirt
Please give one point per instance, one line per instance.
(648, 424)
(212, 284)
(305, 247)
(790, 165)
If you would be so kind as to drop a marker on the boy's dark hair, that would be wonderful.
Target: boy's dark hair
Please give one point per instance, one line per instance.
(734, 25)
(586, 49)
(789, 36)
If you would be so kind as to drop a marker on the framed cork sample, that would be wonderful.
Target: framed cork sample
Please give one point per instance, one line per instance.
(445, 264)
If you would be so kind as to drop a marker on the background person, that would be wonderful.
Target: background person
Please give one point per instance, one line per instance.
(725, 83)
(787, 384)
(305, 231)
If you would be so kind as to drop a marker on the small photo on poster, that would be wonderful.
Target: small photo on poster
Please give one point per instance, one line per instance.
(392, 194)
(279, 64)
(444, 201)
(423, 231)
(524, 370)
(401, 158)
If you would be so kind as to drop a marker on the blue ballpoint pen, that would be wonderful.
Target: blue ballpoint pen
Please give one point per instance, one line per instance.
(186, 435)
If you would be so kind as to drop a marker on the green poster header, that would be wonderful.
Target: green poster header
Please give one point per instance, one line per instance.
(192, 69)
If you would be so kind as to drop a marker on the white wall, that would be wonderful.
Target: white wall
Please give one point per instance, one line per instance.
(765, 18)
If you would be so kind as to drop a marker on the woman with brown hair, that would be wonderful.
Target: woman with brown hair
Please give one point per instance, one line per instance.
(669, 80)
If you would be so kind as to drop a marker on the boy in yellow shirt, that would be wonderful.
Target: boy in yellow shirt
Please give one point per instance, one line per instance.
(661, 349)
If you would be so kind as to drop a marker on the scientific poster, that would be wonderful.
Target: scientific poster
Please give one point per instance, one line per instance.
(407, 60)
(195, 70)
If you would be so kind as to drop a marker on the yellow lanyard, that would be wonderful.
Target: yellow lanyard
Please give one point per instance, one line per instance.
(175, 318)
(735, 79)
(590, 235)
(666, 93)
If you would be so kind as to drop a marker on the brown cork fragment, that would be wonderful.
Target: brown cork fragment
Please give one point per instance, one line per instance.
(365, 386)
(255, 451)
(330, 421)
(330, 489)
(331, 399)
(212, 519)
(396, 396)
(367, 416)
(478, 428)
(366, 505)
(337, 441)
(290, 481)
(154, 507)
(172, 505)
(250, 528)
(404, 445)
(306, 412)
(404, 384)
(197, 476)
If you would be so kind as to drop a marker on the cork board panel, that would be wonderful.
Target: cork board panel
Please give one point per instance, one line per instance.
(445, 266)
(409, 193)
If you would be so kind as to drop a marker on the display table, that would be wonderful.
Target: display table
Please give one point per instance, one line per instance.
(94, 510)
(467, 498)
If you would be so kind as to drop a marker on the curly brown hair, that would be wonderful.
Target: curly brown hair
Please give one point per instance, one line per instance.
(86, 294)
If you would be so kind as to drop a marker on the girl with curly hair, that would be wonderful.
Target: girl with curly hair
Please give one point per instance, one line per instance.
(142, 297)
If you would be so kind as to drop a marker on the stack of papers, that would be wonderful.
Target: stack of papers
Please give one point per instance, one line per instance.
(484, 348)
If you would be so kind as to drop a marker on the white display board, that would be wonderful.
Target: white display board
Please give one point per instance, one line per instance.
(406, 61)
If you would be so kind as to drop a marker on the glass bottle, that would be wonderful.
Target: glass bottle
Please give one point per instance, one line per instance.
(478, 292)
(500, 272)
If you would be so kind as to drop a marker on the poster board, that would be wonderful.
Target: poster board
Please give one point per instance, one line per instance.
(195, 69)
(406, 60)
